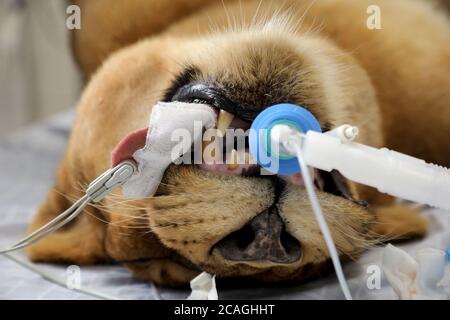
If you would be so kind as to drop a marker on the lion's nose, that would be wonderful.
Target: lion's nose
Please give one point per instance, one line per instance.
(263, 238)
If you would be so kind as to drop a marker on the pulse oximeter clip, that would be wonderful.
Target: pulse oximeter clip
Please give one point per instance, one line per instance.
(110, 179)
(96, 191)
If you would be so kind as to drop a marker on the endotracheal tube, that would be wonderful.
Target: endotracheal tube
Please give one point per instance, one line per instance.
(296, 136)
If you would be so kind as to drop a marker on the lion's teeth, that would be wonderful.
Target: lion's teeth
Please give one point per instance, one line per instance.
(233, 161)
(224, 120)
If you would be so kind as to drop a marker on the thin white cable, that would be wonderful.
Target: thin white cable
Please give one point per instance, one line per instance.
(58, 281)
(50, 227)
(317, 209)
(61, 220)
(97, 190)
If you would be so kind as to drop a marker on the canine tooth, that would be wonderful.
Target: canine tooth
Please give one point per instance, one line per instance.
(233, 162)
(224, 120)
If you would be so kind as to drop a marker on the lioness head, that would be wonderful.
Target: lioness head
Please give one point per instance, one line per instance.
(231, 225)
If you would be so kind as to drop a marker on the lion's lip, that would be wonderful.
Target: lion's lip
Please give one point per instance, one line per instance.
(215, 97)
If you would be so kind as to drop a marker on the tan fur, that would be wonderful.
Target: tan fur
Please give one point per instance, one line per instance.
(393, 83)
(400, 222)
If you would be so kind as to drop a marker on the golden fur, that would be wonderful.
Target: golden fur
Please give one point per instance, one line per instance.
(393, 83)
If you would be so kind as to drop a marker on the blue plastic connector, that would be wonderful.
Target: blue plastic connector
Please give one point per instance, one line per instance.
(259, 136)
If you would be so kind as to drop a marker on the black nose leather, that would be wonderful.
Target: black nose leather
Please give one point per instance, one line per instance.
(263, 238)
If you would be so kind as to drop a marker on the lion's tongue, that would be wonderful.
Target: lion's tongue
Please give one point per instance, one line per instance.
(128, 146)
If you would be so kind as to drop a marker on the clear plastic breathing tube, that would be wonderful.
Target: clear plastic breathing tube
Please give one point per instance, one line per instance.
(390, 172)
(299, 143)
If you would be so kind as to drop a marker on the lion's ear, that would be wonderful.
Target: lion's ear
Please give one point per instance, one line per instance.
(81, 241)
